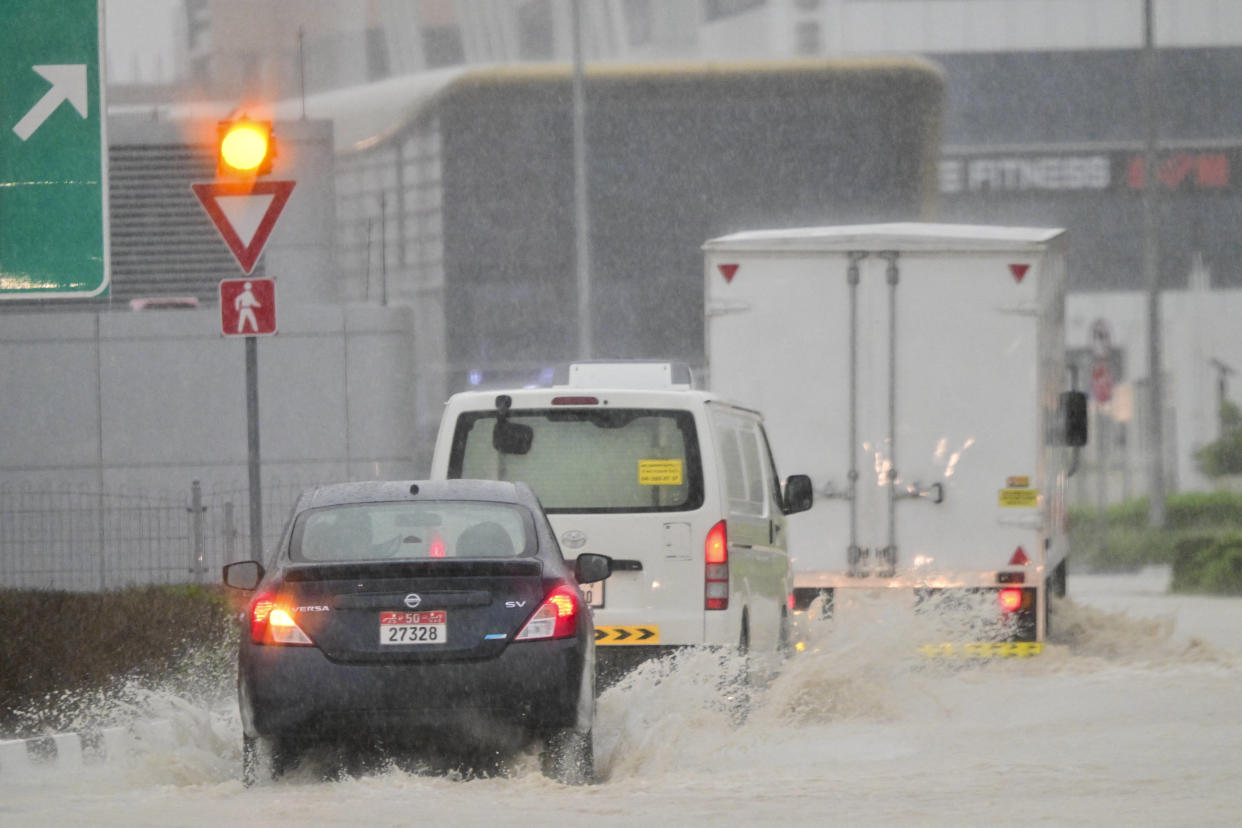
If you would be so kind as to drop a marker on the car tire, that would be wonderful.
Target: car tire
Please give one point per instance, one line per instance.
(258, 760)
(569, 756)
(265, 759)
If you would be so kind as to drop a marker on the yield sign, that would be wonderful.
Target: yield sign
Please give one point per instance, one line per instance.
(244, 213)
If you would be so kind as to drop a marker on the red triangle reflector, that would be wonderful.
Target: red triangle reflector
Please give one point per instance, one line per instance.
(1019, 271)
(727, 271)
(1019, 557)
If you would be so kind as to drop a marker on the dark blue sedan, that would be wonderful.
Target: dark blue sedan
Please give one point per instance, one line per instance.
(410, 613)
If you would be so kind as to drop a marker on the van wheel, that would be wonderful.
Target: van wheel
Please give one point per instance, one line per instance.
(784, 644)
(739, 688)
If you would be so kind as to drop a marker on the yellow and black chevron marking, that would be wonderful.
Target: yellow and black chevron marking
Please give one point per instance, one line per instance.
(984, 649)
(627, 635)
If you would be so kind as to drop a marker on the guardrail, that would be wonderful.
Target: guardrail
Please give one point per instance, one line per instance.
(69, 752)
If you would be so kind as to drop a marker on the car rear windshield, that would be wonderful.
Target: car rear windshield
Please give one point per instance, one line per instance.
(424, 530)
(588, 460)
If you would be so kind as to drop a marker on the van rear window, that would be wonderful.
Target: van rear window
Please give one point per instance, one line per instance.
(588, 460)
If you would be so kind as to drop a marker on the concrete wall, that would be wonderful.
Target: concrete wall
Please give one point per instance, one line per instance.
(150, 400)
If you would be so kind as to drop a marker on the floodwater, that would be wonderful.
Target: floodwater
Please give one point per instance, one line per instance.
(1131, 716)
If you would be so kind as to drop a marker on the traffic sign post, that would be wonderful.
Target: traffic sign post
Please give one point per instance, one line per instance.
(53, 151)
(248, 308)
(244, 210)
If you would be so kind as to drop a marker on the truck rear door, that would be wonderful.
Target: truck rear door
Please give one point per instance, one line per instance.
(913, 402)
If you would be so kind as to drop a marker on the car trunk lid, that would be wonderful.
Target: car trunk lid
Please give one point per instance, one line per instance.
(413, 610)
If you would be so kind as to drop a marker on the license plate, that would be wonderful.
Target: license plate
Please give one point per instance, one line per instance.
(594, 593)
(413, 627)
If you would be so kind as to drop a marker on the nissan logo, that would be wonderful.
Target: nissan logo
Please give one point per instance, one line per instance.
(574, 539)
(413, 600)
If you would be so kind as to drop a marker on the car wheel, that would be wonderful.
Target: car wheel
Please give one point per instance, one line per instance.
(569, 757)
(264, 759)
(257, 760)
(250, 760)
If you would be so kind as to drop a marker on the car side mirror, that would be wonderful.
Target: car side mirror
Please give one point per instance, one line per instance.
(799, 494)
(243, 574)
(1074, 418)
(589, 567)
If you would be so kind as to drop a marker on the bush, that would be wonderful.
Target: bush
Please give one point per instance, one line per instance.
(1194, 539)
(60, 644)
(1224, 455)
(1209, 563)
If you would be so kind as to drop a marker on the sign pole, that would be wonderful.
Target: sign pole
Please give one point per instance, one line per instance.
(252, 447)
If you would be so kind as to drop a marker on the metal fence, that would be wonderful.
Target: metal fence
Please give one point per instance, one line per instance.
(66, 538)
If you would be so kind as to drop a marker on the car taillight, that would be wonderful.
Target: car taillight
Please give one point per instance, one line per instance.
(716, 555)
(271, 623)
(557, 616)
(1010, 599)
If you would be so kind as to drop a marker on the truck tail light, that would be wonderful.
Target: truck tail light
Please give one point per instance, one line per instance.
(271, 623)
(716, 555)
(1010, 599)
(556, 617)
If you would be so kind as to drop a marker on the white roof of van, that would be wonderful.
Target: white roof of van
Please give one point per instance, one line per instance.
(895, 236)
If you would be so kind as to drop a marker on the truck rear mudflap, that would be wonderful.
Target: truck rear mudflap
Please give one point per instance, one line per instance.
(977, 619)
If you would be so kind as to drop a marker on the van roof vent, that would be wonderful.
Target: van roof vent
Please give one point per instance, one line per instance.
(624, 373)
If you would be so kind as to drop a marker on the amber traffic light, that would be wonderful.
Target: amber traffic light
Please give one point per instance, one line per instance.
(245, 148)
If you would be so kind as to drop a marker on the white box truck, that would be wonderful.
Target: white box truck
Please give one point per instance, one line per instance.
(918, 373)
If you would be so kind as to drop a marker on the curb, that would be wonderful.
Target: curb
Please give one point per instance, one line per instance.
(68, 752)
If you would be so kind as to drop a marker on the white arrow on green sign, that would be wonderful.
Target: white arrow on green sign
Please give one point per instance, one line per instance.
(53, 151)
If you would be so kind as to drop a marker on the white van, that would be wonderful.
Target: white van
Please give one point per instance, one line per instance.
(675, 485)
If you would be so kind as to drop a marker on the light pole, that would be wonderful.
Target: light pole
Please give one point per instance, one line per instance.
(582, 227)
(1151, 275)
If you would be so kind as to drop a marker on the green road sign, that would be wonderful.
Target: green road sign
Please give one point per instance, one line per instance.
(53, 150)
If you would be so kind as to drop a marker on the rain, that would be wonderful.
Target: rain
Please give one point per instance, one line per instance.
(455, 203)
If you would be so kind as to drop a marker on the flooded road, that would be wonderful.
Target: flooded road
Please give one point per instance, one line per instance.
(1130, 716)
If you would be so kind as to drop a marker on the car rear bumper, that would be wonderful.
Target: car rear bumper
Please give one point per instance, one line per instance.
(298, 692)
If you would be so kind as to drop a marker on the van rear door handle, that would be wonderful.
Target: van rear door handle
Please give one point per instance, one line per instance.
(626, 565)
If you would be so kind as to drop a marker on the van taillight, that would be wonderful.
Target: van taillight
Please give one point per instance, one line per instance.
(716, 555)
(575, 401)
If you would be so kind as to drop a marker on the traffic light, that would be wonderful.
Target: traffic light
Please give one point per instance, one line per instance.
(245, 148)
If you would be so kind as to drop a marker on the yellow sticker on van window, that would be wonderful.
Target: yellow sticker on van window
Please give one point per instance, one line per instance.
(659, 472)
(1022, 498)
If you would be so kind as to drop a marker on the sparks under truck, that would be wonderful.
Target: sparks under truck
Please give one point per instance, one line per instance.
(918, 372)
